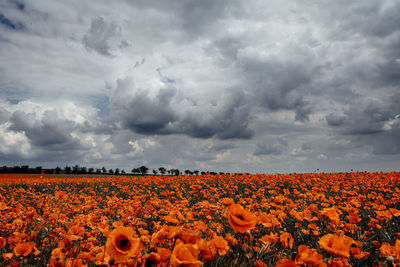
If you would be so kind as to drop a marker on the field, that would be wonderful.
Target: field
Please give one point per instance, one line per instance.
(315, 219)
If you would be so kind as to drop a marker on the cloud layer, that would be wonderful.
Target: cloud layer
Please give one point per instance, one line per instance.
(210, 85)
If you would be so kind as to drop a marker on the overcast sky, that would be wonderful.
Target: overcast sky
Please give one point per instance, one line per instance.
(227, 85)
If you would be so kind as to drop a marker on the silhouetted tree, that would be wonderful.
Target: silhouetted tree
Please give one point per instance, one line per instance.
(154, 171)
(104, 170)
(67, 170)
(162, 170)
(57, 170)
(38, 169)
(110, 171)
(116, 171)
(143, 169)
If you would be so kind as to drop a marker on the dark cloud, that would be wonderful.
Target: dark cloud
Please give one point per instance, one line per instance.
(50, 132)
(146, 115)
(103, 37)
(270, 148)
(229, 121)
(335, 119)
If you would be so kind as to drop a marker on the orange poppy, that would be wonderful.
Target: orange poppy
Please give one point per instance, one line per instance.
(309, 256)
(387, 250)
(205, 250)
(164, 253)
(188, 236)
(219, 244)
(240, 219)
(56, 258)
(286, 239)
(24, 249)
(2, 242)
(151, 259)
(358, 253)
(121, 245)
(339, 262)
(285, 263)
(335, 244)
(185, 255)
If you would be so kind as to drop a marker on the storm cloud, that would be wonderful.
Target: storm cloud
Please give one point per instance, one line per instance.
(210, 85)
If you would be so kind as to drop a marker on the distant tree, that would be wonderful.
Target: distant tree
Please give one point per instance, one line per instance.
(196, 172)
(57, 170)
(154, 171)
(110, 171)
(4, 169)
(67, 170)
(123, 171)
(98, 171)
(49, 171)
(104, 170)
(143, 169)
(75, 169)
(203, 173)
(25, 169)
(135, 170)
(221, 173)
(16, 169)
(38, 169)
(83, 170)
(91, 170)
(116, 171)
(174, 171)
(162, 170)
(187, 172)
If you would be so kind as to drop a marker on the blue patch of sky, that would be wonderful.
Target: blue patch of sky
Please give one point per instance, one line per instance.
(10, 24)
(102, 103)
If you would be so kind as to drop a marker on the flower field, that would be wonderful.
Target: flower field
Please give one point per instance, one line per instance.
(315, 219)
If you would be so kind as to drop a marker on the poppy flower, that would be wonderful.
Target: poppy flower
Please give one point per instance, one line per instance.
(185, 255)
(309, 256)
(219, 244)
(285, 263)
(151, 259)
(358, 253)
(121, 245)
(164, 253)
(335, 244)
(339, 262)
(24, 249)
(286, 239)
(188, 236)
(227, 201)
(2, 242)
(205, 250)
(240, 219)
(56, 258)
(387, 250)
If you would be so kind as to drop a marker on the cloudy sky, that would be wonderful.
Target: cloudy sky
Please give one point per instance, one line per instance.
(228, 85)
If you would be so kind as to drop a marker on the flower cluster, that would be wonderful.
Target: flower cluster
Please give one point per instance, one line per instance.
(315, 219)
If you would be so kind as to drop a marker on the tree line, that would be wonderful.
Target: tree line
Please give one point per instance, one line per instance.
(76, 169)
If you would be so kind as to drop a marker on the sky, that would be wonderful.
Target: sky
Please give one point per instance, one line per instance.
(230, 85)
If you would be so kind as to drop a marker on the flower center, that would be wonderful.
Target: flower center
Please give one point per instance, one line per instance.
(123, 243)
